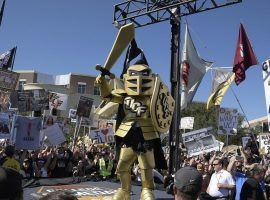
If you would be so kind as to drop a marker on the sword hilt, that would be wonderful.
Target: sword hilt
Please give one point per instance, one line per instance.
(104, 72)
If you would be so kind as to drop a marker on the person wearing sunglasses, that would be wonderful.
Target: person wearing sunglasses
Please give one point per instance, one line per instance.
(221, 181)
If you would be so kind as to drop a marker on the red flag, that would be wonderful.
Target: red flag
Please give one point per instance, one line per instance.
(244, 56)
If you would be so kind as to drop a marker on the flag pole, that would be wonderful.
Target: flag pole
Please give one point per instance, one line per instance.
(2, 11)
(245, 116)
(74, 136)
(227, 140)
(13, 58)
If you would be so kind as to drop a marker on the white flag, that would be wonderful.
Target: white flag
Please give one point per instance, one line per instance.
(266, 81)
(193, 69)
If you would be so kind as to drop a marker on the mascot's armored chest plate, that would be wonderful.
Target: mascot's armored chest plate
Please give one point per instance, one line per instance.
(161, 107)
(136, 107)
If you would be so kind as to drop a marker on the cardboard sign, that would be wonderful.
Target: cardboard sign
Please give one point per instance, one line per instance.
(200, 141)
(54, 134)
(102, 135)
(8, 79)
(84, 106)
(4, 100)
(58, 101)
(27, 132)
(228, 121)
(4, 126)
(187, 123)
(30, 100)
(265, 143)
(245, 141)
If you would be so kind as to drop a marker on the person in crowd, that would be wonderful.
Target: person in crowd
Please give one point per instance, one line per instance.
(9, 161)
(253, 144)
(49, 122)
(10, 184)
(252, 189)
(105, 165)
(249, 158)
(59, 195)
(79, 170)
(221, 181)
(41, 167)
(187, 184)
(60, 165)
(238, 170)
(27, 170)
(205, 175)
(90, 167)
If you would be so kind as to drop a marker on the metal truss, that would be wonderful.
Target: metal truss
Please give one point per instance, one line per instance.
(146, 12)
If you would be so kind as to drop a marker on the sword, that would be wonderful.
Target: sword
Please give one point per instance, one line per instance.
(124, 37)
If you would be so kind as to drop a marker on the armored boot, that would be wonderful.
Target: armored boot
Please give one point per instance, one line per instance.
(147, 185)
(147, 164)
(123, 193)
(127, 157)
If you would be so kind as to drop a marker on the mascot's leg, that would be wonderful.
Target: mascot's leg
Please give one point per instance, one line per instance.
(147, 163)
(126, 159)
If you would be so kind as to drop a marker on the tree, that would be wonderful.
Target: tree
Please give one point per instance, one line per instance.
(204, 118)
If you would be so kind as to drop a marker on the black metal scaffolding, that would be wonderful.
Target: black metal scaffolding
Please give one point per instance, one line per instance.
(146, 12)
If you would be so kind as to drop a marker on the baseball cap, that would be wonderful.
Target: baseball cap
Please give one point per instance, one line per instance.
(188, 180)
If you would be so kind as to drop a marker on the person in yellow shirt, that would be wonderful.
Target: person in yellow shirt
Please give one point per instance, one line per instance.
(9, 161)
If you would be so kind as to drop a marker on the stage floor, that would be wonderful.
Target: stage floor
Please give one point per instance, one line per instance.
(90, 190)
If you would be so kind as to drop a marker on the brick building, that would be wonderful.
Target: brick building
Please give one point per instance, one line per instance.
(74, 85)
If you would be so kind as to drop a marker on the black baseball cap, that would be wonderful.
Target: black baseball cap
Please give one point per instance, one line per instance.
(188, 180)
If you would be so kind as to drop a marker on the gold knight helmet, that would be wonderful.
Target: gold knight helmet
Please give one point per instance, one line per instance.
(138, 80)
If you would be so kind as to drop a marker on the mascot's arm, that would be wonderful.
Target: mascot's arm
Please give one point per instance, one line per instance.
(106, 91)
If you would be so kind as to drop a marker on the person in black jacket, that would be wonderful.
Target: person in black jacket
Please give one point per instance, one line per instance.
(252, 189)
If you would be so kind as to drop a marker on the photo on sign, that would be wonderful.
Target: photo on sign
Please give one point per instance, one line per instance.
(72, 115)
(58, 101)
(4, 126)
(200, 141)
(84, 106)
(24, 100)
(40, 100)
(105, 135)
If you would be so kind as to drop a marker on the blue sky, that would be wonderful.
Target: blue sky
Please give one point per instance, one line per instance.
(63, 36)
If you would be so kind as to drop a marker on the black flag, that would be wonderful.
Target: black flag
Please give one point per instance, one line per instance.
(7, 59)
(2, 11)
(132, 52)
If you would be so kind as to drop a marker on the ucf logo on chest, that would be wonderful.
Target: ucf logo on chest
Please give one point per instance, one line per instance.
(135, 106)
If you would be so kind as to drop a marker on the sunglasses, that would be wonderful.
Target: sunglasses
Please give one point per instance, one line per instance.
(214, 164)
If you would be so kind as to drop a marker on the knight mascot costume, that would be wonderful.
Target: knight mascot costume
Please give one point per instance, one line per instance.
(148, 109)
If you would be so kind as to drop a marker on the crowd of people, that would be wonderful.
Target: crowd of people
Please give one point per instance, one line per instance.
(225, 175)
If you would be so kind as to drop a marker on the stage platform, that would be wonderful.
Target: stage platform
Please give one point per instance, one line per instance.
(85, 190)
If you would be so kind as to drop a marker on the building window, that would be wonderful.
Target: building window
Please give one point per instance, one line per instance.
(81, 88)
(21, 84)
(96, 91)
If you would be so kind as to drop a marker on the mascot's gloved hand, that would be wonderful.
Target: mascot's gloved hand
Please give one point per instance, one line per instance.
(99, 80)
